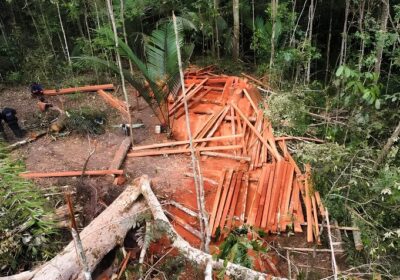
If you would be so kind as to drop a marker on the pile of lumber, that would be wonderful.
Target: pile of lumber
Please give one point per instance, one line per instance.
(262, 185)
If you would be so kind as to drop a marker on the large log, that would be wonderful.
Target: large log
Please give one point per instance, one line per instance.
(109, 229)
(120, 154)
(78, 89)
(98, 238)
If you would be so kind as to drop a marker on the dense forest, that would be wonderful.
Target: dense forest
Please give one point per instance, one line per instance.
(331, 69)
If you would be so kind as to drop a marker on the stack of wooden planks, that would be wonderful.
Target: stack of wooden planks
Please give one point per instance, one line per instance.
(262, 187)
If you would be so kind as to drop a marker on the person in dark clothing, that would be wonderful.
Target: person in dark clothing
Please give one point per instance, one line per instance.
(10, 118)
(36, 89)
(2, 133)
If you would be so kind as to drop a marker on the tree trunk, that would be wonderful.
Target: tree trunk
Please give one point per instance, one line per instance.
(108, 230)
(342, 59)
(311, 13)
(63, 32)
(97, 15)
(198, 179)
(274, 7)
(328, 44)
(390, 67)
(121, 73)
(292, 38)
(361, 29)
(236, 30)
(98, 238)
(88, 29)
(216, 14)
(382, 35)
(124, 33)
(393, 138)
(254, 28)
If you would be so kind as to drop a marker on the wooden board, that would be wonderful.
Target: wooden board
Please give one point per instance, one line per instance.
(70, 173)
(78, 89)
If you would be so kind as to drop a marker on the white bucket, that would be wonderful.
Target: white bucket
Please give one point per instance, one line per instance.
(157, 129)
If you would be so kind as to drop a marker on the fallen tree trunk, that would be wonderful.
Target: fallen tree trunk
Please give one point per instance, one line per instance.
(392, 139)
(27, 140)
(98, 238)
(109, 229)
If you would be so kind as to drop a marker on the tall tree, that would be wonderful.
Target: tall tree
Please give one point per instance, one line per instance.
(236, 30)
(216, 31)
(343, 48)
(274, 7)
(328, 44)
(311, 15)
(361, 10)
(63, 32)
(121, 72)
(385, 9)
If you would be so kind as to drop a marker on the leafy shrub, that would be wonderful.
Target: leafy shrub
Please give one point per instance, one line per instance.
(235, 247)
(26, 233)
(86, 120)
(287, 113)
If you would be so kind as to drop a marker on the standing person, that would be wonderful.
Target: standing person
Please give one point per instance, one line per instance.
(9, 116)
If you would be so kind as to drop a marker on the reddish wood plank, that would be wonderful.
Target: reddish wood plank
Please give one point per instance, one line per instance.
(234, 199)
(183, 150)
(78, 89)
(268, 196)
(295, 208)
(285, 217)
(320, 204)
(256, 198)
(217, 200)
(120, 155)
(264, 190)
(279, 171)
(222, 202)
(273, 152)
(70, 173)
(307, 201)
(228, 201)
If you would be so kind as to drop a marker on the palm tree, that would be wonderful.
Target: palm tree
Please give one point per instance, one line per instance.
(159, 72)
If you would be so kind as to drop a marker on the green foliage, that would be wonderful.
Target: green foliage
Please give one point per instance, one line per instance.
(287, 112)
(360, 83)
(173, 267)
(159, 72)
(86, 120)
(26, 231)
(236, 246)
